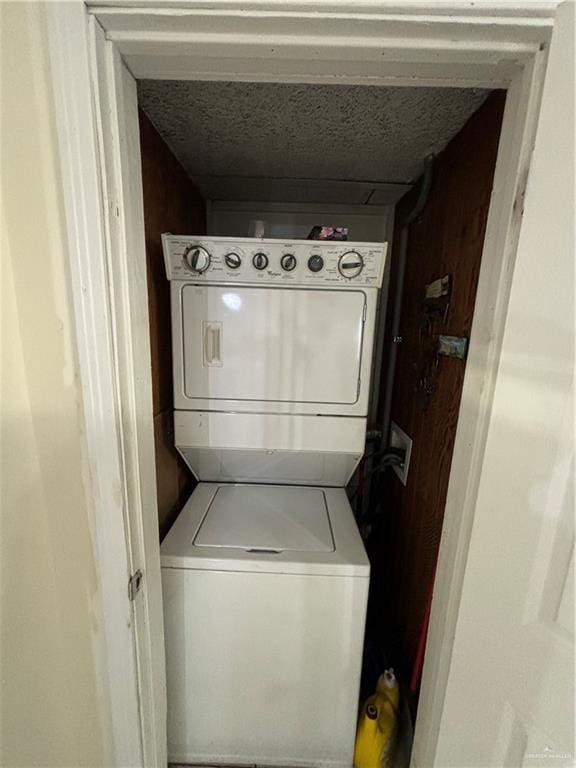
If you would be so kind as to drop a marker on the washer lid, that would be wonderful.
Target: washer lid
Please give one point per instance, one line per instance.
(267, 519)
(339, 552)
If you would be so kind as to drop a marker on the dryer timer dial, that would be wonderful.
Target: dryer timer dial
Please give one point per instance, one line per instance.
(351, 264)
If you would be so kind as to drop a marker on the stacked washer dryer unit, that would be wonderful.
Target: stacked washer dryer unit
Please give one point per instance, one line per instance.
(265, 578)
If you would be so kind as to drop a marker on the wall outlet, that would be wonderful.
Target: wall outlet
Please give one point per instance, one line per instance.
(399, 439)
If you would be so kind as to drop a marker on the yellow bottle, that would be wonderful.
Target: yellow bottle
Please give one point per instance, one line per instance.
(377, 724)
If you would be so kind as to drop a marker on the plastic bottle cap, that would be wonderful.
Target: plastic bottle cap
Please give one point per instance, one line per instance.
(389, 678)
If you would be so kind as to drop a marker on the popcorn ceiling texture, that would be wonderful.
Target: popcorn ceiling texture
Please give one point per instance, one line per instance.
(264, 133)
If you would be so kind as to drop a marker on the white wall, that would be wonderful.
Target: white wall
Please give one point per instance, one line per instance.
(54, 710)
(525, 495)
(294, 221)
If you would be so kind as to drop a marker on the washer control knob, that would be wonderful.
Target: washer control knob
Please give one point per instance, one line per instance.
(197, 258)
(288, 262)
(260, 261)
(232, 260)
(315, 263)
(351, 264)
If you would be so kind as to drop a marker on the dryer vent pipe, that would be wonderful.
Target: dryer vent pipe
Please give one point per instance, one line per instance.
(425, 185)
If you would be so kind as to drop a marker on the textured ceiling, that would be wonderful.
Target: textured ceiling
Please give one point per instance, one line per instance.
(274, 141)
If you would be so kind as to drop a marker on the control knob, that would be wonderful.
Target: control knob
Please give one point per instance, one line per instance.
(197, 258)
(232, 260)
(288, 262)
(315, 263)
(351, 264)
(260, 261)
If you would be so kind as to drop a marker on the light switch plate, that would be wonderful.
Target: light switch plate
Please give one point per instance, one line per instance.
(399, 439)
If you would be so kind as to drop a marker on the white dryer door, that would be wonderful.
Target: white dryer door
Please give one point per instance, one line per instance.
(272, 345)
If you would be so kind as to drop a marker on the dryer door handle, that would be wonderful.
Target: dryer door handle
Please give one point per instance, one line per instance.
(212, 344)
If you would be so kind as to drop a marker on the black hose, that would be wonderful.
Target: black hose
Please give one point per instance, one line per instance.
(392, 457)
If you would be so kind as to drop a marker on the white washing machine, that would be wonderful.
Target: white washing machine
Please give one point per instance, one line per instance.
(265, 577)
(265, 590)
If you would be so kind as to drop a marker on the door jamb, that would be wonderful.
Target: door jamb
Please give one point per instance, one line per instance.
(85, 221)
(108, 267)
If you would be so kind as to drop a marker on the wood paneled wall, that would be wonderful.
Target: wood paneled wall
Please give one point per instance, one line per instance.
(447, 239)
(171, 204)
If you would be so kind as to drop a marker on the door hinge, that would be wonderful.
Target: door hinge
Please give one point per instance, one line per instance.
(134, 584)
(364, 312)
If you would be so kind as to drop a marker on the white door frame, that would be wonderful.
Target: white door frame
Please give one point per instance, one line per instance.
(95, 56)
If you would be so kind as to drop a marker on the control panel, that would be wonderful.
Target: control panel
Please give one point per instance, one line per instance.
(252, 261)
